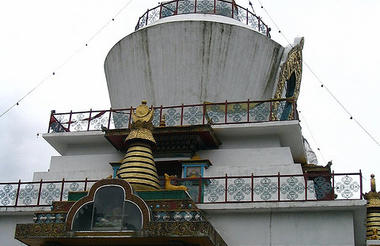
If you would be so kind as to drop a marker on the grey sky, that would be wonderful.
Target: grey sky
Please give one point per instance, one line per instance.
(341, 41)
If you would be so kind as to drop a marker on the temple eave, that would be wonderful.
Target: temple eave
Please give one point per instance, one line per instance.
(178, 233)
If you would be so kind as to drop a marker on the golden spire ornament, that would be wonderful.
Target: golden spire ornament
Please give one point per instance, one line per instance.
(138, 167)
(373, 211)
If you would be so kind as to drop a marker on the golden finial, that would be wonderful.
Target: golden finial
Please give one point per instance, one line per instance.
(373, 206)
(373, 183)
(142, 126)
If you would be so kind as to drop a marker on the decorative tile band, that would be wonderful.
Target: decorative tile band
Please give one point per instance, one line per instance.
(218, 7)
(183, 115)
(271, 188)
(48, 218)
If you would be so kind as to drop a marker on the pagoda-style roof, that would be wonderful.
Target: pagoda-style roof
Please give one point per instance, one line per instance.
(171, 140)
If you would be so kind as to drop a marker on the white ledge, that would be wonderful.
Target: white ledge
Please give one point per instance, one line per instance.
(285, 206)
(22, 210)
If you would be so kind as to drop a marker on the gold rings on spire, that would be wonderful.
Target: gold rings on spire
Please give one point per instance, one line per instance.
(138, 167)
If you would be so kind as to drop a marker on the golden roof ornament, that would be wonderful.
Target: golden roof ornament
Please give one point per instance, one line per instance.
(373, 183)
(141, 127)
(138, 167)
(373, 197)
(373, 211)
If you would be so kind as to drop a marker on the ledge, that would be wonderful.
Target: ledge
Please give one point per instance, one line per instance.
(22, 210)
(350, 205)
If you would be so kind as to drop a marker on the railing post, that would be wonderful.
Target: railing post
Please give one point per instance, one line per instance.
(252, 193)
(248, 111)
(85, 184)
(63, 184)
(51, 116)
(333, 185)
(176, 8)
(214, 6)
(195, 6)
(306, 179)
(18, 192)
(294, 109)
(147, 17)
(160, 10)
(89, 120)
(130, 117)
(278, 186)
(225, 113)
(270, 110)
(109, 119)
(361, 184)
(71, 115)
(225, 190)
(247, 15)
(182, 115)
(159, 122)
(204, 113)
(200, 190)
(39, 193)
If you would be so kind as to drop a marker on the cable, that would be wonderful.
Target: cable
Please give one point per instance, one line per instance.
(68, 59)
(312, 135)
(321, 83)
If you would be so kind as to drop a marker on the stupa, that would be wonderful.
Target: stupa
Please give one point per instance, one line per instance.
(218, 117)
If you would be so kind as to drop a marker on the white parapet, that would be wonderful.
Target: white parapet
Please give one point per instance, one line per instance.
(192, 61)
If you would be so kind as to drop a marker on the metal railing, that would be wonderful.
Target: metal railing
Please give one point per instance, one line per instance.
(216, 7)
(206, 190)
(183, 115)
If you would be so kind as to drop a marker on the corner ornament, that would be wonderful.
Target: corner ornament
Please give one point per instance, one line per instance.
(291, 67)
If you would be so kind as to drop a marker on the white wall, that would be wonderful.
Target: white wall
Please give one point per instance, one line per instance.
(285, 228)
(191, 62)
(238, 141)
(8, 226)
(244, 161)
(79, 167)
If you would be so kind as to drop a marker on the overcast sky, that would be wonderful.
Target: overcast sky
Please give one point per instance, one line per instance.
(341, 46)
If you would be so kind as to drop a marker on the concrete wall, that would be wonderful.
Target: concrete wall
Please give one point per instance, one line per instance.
(79, 167)
(191, 62)
(285, 228)
(238, 155)
(258, 141)
(234, 161)
(239, 161)
(8, 226)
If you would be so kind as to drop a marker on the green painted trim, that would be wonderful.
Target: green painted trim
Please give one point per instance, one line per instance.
(163, 195)
(76, 195)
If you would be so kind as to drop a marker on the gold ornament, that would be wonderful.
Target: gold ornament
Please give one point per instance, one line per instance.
(373, 211)
(293, 65)
(138, 167)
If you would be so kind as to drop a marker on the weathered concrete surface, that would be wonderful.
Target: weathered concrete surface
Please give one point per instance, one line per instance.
(8, 226)
(191, 62)
(289, 223)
